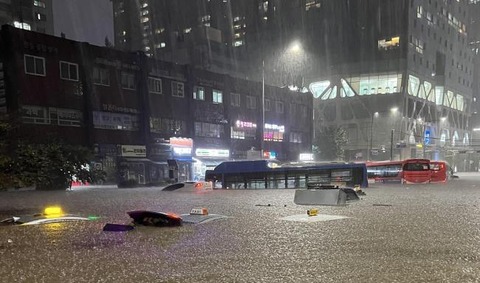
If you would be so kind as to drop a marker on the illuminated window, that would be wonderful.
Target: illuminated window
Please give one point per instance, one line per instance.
(39, 3)
(217, 96)
(418, 44)
(312, 4)
(419, 12)
(273, 132)
(413, 85)
(318, 88)
(40, 16)
(20, 25)
(389, 43)
(346, 90)
(198, 93)
(429, 91)
(327, 94)
(449, 98)
(459, 102)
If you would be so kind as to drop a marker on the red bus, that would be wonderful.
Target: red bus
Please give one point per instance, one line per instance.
(409, 171)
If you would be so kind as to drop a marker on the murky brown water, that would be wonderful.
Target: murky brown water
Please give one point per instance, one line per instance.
(395, 234)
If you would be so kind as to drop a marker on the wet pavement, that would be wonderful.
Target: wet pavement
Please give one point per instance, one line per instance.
(421, 233)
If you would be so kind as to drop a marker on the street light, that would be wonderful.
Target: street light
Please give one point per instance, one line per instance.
(294, 48)
(393, 111)
(370, 147)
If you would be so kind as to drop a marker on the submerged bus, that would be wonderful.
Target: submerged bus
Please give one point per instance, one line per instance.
(409, 171)
(266, 174)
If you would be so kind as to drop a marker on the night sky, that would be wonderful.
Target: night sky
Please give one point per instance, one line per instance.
(84, 20)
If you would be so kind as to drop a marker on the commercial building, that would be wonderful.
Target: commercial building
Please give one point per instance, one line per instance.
(398, 75)
(146, 119)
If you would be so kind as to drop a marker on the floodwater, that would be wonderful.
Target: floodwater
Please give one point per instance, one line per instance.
(422, 233)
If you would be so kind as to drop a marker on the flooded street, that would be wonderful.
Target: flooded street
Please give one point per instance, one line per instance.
(422, 233)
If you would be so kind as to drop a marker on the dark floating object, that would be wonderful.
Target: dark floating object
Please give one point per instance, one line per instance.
(264, 205)
(117, 227)
(320, 194)
(174, 187)
(381, 204)
(157, 219)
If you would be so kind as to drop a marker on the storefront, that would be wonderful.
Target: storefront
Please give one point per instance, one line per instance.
(132, 163)
(208, 159)
(182, 156)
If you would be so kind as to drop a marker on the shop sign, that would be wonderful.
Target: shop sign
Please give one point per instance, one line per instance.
(133, 151)
(205, 152)
(177, 150)
(306, 157)
(278, 128)
(243, 124)
(185, 142)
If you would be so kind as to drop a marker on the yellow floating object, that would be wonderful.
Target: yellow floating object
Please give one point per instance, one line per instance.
(312, 212)
(53, 211)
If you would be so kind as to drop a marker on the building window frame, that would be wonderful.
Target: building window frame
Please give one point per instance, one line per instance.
(251, 102)
(127, 80)
(279, 107)
(68, 76)
(178, 89)
(217, 96)
(235, 99)
(35, 71)
(101, 76)
(155, 85)
(198, 93)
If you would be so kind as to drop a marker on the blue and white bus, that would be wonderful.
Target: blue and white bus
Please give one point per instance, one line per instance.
(267, 174)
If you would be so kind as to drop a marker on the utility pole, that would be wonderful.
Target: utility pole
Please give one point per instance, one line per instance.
(391, 144)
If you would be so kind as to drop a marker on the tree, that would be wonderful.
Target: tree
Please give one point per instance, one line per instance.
(329, 143)
(7, 178)
(52, 166)
(48, 166)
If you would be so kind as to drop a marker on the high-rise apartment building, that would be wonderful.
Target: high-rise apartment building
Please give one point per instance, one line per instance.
(34, 15)
(405, 65)
(220, 35)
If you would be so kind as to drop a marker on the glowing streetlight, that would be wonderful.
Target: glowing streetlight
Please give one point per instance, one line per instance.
(296, 48)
